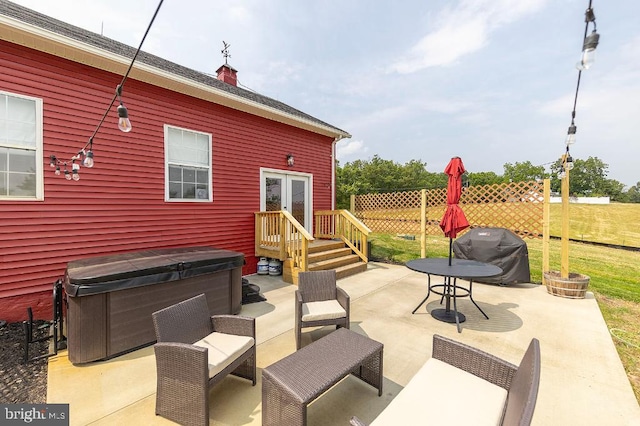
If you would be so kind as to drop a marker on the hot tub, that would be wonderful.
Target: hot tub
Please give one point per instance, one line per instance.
(111, 298)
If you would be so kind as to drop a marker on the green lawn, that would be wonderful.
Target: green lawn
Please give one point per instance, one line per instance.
(614, 223)
(613, 272)
(615, 280)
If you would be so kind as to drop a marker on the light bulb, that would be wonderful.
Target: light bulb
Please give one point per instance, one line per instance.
(57, 172)
(67, 175)
(53, 160)
(75, 172)
(123, 119)
(571, 139)
(588, 57)
(571, 135)
(88, 159)
(588, 51)
(569, 163)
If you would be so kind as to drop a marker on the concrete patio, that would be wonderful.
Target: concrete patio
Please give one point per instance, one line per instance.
(582, 383)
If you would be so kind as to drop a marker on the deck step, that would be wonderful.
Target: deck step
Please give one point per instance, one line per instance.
(351, 269)
(324, 245)
(334, 263)
(329, 254)
(326, 255)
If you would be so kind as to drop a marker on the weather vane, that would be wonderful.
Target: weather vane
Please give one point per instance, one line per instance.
(225, 52)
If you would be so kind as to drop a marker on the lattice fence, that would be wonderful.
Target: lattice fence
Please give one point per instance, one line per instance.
(515, 206)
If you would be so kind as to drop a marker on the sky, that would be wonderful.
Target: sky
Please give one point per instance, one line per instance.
(490, 81)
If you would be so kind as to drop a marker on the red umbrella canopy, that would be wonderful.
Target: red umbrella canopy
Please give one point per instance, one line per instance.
(454, 220)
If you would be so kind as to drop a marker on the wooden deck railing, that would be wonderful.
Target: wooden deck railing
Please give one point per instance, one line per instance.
(279, 235)
(342, 224)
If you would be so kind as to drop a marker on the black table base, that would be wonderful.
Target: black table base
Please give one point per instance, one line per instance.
(447, 315)
(449, 291)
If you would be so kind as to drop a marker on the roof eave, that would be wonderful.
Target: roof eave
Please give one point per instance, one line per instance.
(34, 37)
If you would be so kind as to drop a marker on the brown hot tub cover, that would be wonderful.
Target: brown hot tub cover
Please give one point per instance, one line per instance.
(111, 298)
(128, 270)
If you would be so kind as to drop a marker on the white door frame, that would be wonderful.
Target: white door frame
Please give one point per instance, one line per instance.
(285, 174)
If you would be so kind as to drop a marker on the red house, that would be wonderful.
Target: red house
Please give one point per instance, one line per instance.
(207, 162)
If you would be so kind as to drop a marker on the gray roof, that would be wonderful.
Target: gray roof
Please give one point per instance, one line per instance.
(32, 17)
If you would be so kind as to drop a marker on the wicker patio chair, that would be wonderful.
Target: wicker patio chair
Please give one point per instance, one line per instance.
(194, 352)
(521, 383)
(320, 302)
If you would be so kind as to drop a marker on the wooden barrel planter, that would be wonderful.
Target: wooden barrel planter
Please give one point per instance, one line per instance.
(573, 287)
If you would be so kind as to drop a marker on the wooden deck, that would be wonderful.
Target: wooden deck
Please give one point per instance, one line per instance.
(324, 255)
(314, 246)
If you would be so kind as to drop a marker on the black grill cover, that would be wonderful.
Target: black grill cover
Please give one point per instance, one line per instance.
(500, 247)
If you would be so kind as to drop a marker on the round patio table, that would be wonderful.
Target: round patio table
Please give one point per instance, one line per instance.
(452, 268)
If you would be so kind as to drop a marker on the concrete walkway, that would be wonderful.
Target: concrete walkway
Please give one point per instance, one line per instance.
(582, 383)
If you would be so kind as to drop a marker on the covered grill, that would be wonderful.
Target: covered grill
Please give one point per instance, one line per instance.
(499, 247)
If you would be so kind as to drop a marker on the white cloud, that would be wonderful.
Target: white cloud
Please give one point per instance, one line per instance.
(271, 78)
(348, 148)
(444, 106)
(239, 14)
(380, 117)
(462, 30)
(510, 101)
(444, 46)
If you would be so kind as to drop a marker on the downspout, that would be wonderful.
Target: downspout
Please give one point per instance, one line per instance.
(333, 170)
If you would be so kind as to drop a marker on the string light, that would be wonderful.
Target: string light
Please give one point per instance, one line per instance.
(75, 171)
(123, 115)
(86, 156)
(589, 44)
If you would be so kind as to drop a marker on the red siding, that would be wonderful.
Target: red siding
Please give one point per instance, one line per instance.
(119, 205)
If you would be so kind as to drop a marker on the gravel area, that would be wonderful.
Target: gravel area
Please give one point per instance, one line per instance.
(21, 382)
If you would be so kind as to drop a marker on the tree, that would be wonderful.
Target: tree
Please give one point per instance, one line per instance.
(484, 178)
(587, 178)
(378, 175)
(523, 172)
(414, 175)
(633, 194)
(383, 175)
(615, 190)
(349, 180)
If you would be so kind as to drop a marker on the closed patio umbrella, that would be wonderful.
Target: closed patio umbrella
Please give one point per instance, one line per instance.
(453, 220)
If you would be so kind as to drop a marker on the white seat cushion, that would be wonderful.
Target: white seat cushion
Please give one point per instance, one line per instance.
(324, 310)
(223, 349)
(441, 394)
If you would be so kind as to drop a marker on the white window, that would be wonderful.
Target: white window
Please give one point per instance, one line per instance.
(20, 147)
(187, 165)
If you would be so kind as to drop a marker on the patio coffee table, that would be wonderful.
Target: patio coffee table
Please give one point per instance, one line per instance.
(292, 383)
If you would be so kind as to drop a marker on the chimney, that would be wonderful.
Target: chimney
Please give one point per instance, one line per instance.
(227, 74)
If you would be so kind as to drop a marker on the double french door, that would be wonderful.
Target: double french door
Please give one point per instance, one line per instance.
(280, 190)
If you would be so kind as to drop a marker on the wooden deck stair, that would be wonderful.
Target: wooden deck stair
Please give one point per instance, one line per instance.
(326, 255)
(339, 242)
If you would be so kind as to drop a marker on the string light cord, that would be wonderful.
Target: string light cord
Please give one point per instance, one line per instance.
(589, 17)
(55, 162)
(589, 43)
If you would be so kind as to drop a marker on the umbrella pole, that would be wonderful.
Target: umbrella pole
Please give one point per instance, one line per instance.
(450, 249)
